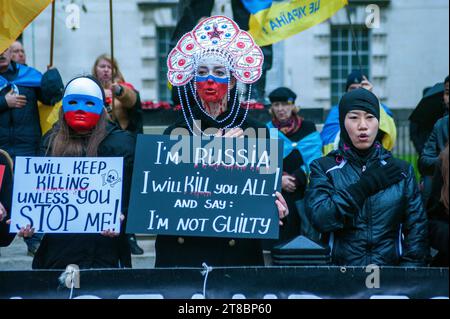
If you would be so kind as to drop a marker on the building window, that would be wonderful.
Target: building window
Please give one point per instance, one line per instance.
(344, 59)
(164, 36)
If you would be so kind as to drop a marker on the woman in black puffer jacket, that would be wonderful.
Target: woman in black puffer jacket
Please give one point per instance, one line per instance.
(367, 201)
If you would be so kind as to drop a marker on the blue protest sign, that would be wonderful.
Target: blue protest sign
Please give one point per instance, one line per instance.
(213, 187)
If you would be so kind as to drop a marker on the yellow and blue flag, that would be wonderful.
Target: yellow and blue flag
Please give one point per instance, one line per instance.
(15, 16)
(273, 21)
(29, 77)
(48, 115)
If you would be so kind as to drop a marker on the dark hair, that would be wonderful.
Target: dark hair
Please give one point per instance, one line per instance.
(64, 141)
(446, 80)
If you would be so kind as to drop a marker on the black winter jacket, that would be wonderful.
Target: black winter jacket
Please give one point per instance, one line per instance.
(292, 166)
(93, 250)
(192, 251)
(390, 228)
(419, 134)
(438, 221)
(433, 147)
(20, 128)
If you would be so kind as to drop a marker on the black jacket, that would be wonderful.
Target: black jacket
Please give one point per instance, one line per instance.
(433, 147)
(177, 251)
(20, 128)
(135, 117)
(292, 166)
(6, 186)
(93, 250)
(419, 134)
(136, 125)
(438, 221)
(373, 235)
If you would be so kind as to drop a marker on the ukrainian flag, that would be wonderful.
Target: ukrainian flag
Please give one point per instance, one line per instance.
(48, 115)
(273, 21)
(331, 129)
(15, 16)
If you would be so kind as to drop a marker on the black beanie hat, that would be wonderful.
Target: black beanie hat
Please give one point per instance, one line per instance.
(355, 77)
(282, 94)
(359, 99)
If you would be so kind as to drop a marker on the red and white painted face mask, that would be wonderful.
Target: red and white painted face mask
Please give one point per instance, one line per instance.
(82, 104)
(212, 82)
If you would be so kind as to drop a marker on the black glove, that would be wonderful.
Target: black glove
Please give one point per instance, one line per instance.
(53, 86)
(375, 179)
(300, 178)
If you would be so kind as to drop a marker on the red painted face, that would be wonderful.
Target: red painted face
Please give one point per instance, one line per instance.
(81, 121)
(212, 91)
(212, 81)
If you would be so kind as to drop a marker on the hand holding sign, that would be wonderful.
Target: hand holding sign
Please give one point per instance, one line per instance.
(111, 233)
(25, 232)
(233, 132)
(283, 209)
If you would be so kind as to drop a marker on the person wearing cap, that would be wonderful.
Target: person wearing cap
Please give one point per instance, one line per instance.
(363, 199)
(83, 130)
(330, 132)
(302, 145)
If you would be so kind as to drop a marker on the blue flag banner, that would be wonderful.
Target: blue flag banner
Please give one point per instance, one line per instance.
(273, 21)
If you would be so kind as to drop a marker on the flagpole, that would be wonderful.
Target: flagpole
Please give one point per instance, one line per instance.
(52, 35)
(111, 28)
(354, 38)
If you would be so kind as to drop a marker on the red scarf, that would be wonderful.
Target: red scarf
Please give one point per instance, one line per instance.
(290, 126)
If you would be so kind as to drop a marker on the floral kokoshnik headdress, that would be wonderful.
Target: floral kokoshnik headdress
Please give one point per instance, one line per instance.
(218, 38)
